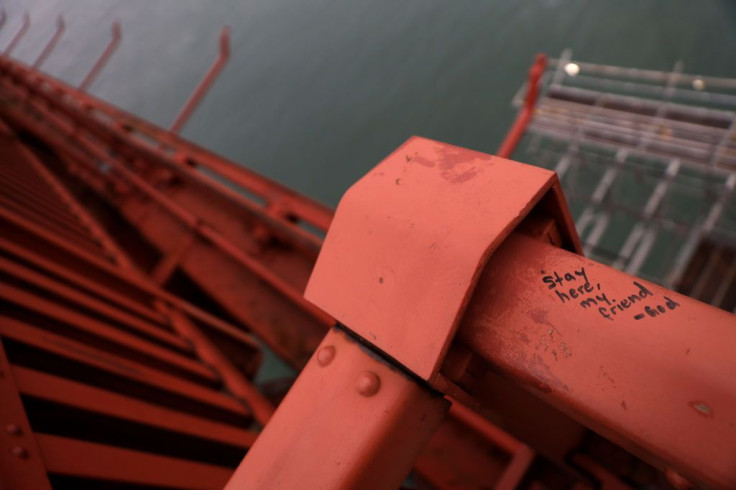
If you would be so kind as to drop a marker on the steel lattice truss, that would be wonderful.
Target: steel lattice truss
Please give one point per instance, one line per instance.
(648, 162)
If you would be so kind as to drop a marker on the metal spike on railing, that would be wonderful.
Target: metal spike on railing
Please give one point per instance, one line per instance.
(204, 85)
(51, 44)
(19, 35)
(117, 35)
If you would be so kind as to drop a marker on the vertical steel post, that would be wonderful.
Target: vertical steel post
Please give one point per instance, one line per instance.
(385, 417)
(104, 57)
(522, 120)
(51, 44)
(204, 85)
(19, 35)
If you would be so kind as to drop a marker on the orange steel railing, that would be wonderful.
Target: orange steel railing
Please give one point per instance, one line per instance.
(120, 343)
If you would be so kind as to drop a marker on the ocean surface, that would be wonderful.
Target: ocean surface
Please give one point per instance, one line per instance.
(317, 92)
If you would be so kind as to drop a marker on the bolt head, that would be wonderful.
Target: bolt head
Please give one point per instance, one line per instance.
(325, 355)
(19, 452)
(13, 429)
(677, 480)
(368, 383)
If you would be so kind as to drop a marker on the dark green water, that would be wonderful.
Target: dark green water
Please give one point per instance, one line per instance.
(317, 92)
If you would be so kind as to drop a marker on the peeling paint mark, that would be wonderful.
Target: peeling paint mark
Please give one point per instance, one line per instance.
(702, 408)
(533, 369)
(604, 374)
(540, 317)
(425, 162)
(565, 349)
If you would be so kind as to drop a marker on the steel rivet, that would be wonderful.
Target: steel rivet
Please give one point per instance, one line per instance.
(19, 452)
(13, 429)
(325, 355)
(368, 383)
(677, 480)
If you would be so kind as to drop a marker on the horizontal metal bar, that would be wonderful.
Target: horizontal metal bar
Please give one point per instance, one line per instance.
(54, 211)
(101, 360)
(713, 117)
(656, 91)
(647, 153)
(73, 457)
(86, 397)
(41, 220)
(628, 117)
(99, 289)
(649, 128)
(74, 296)
(75, 208)
(110, 274)
(112, 339)
(650, 75)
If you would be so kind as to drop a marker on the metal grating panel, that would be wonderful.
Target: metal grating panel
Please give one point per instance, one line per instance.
(647, 160)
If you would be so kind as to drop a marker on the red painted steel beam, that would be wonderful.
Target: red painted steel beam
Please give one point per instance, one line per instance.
(284, 291)
(110, 338)
(622, 356)
(232, 378)
(106, 362)
(350, 420)
(74, 297)
(83, 217)
(72, 457)
(187, 218)
(21, 465)
(106, 273)
(449, 208)
(280, 200)
(648, 368)
(86, 397)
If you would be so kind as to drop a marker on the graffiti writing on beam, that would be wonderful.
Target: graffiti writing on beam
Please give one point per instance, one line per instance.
(575, 288)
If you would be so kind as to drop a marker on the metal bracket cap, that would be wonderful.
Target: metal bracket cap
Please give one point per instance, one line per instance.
(410, 238)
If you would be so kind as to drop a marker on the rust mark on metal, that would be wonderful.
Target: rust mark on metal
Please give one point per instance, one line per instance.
(604, 374)
(565, 349)
(702, 408)
(539, 316)
(623, 405)
(537, 372)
